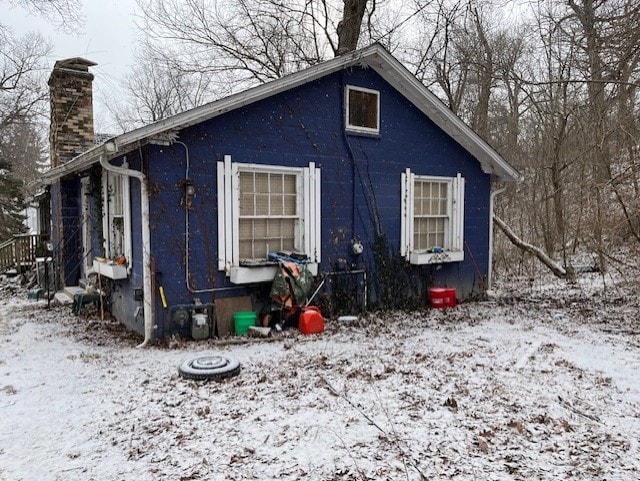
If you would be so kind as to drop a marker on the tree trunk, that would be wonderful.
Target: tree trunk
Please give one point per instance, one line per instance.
(557, 269)
(349, 27)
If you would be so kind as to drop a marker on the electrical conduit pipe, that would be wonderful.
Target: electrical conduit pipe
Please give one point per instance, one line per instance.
(146, 237)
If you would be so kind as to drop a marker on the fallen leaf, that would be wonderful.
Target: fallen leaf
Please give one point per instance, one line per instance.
(451, 403)
(566, 426)
(483, 445)
(517, 425)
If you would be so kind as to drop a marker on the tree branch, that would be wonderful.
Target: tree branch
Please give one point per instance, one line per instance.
(557, 269)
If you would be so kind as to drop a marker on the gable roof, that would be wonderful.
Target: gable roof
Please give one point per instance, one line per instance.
(374, 56)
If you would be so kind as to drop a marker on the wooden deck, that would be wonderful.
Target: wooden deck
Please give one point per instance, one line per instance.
(20, 252)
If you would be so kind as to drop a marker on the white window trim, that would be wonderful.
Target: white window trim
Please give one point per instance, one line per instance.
(454, 251)
(85, 188)
(107, 217)
(358, 128)
(229, 214)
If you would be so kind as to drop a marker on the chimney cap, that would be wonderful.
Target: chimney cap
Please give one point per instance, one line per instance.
(75, 63)
(71, 67)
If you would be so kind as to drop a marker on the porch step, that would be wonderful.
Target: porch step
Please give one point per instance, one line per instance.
(62, 298)
(70, 291)
(65, 297)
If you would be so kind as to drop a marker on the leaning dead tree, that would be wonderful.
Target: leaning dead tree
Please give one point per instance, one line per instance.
(556, 268)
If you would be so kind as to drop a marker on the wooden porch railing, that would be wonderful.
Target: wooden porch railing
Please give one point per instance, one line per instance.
(19, 252)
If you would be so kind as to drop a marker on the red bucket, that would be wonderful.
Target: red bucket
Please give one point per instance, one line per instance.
(441, 297)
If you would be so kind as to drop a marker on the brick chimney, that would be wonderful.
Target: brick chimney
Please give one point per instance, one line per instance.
(70, 89)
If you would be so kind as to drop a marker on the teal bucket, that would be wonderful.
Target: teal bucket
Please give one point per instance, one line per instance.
(242, 321)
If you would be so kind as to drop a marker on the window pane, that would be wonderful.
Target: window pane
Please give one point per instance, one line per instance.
(417, 205)
(268, 213)
(273, 229)
(363, 109)
(289, 184)
(289, 228)
(116, 192)
(246, 249)
(290, 205)
(431, 214)
(246, 204)
(246, 182)
(245, 230)
(277, 205)
(277, 183)
(261, 182)
(117, 241)
(260, 228)
(262, 204)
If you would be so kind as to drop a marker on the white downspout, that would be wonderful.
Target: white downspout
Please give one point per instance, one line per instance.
(492, 197)
(146, 255)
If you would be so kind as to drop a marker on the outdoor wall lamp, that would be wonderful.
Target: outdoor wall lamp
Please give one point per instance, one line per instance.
(189, 192)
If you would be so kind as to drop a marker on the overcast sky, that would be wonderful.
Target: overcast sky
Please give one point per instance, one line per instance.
(108, 38)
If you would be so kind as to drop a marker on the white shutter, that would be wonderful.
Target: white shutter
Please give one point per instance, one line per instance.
(233, 223)
(312, 219)
(316, 219)
(307, 202)
(457, 215)
(225, 219)
(407, 180)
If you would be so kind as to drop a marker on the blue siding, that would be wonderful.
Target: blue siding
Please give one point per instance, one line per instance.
(360, 183)
(66, 234)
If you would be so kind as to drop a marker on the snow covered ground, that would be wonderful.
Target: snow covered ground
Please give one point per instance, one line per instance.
(540, 383)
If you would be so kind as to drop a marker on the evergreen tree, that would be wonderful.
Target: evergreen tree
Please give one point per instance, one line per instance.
(11, 196)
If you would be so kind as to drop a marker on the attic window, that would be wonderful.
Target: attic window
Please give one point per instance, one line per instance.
(362, 110)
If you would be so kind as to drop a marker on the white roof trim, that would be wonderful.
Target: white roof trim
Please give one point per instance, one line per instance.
(374, 56)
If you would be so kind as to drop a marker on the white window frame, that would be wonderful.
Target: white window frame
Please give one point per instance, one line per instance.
(308, 229)
(358, 128)
(453, 250)
(87, 227)
(108, 179)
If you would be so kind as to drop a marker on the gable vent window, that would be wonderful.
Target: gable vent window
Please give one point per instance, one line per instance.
(432, 221)
(362, 110)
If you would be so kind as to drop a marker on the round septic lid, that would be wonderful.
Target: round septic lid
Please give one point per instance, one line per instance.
(209, 367)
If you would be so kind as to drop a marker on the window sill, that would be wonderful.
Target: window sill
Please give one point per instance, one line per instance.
(421, 258)
(374, 134)
(252, 274)
(110, 270)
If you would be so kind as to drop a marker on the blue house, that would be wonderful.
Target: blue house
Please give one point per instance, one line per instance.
(351, 162)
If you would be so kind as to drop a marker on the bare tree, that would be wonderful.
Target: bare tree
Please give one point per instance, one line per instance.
(65, 14)
(21, 61)
(23, 97)
(197, 51)
(255, 41)
(156, 91)
(580, 151)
